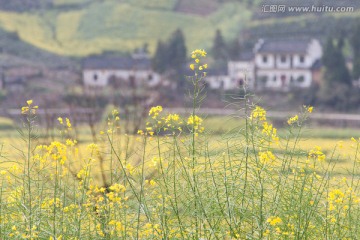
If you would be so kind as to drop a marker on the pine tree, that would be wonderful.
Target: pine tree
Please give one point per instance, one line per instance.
(219, 50)
(171, 56)
(234, 49)
(355, 42)
(177, 51)
(335, 64)
(337, 80)
(160, 60)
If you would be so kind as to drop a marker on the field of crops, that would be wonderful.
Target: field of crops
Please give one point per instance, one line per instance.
(179, 177)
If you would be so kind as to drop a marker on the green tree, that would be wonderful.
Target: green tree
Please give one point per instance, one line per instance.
(219, 49)
(160, 60)
(171, 56)
(335, 64)
(234, 49)
(177, 51)
(355, 43)
(336, 89)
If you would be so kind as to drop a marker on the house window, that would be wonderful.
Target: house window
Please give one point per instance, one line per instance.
(150, 77)
(301, 79)
(263, 79)
(283, 59)
(302, 59)
(222, 84)
(95, 77)
(241, 82)
(265, 59)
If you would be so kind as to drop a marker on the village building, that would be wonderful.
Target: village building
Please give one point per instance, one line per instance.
(117, 72)
(219, 79)
(277, 64)
(243, 69)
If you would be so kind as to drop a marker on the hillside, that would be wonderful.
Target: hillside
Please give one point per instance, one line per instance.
(84, 27)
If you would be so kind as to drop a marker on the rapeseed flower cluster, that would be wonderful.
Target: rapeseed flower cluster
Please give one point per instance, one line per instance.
(258, 114)
(316, 154)
(293, 120)
(270, 132)
(273, 221)
(155, 111)
(29, 108)
(309, 109)
(197, 65)
(195, 122)
(267, 157)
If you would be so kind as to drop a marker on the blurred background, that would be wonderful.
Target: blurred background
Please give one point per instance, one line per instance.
(80, 58)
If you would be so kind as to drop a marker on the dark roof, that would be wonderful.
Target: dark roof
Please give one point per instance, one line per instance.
(246, 56)
(219, 71)
(14, 80)
(284, 46)
(105, 63)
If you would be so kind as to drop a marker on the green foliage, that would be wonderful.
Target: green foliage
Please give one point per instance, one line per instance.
(234, 49)
(171, 56)
(336, 89)
(219, 49)
(85, 27)
(355, 43)
(160, 58)
(97, 26)
(334, 63)
(177, 50)
(155, 4)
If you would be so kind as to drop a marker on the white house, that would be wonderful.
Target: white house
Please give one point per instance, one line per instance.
(219, 79)
(99, 72)
(243, 70)
(236, 74)
(279, 64)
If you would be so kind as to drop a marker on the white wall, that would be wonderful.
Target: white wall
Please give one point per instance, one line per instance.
(103, 77)
(242, 70)
(308, 61)
(221, 82)
(261, 64)
(274, 78)
(283, 65)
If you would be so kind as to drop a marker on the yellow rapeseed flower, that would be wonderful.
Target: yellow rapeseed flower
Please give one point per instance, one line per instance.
(195, 122)
(117, 188)
(266, 157)
(198, 53)
(29, 108)
(317, 154)
(293, 120)
(258, 114)
(68, 123)
(192, 67)
(155, 111)
(274, 221)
